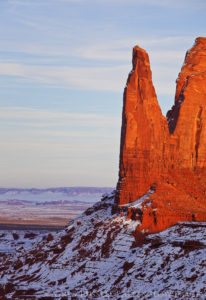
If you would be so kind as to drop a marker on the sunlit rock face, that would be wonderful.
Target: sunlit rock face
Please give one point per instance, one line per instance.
(144, 133)
(168, 156)
(187, 118)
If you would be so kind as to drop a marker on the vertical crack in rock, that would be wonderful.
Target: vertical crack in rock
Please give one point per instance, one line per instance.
(173, 114)
(198, 132)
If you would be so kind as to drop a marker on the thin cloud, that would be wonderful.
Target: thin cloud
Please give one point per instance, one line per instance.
(163, 63)
(47, 118)
(28, 2)
(110, 78)
(102, 79)
(159, 3)
(104, 50)
(121, 50)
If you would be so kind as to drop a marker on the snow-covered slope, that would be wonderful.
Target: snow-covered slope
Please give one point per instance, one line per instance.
(98, 256)
(15, 238)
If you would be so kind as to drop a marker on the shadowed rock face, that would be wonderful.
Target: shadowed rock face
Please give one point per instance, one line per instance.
(168, 155)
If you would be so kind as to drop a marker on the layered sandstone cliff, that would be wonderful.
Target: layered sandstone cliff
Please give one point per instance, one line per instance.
(168, 158)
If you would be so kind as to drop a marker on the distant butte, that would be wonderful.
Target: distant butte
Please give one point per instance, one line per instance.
(164, 159)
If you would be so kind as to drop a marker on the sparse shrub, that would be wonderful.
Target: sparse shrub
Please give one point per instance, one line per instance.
(155, 243)
(15, 236)
(127, 266)
(140, 239)
(18, 264)
(30, 235)
(66, 239)
(61, 281)
(192, 278)
(49, 237)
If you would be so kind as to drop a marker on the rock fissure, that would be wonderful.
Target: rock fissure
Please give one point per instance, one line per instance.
(198, 132)
(173, 114)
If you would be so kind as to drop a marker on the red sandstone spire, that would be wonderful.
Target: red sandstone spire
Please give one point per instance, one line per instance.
(174, 160)
(143, 130)
(187, 119)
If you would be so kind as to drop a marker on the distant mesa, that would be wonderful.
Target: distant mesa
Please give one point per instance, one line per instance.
(164, 158)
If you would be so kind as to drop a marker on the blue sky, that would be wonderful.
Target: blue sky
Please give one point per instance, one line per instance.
(63, 68)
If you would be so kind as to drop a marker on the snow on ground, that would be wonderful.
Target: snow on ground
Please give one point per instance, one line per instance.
(97, 257)
(138, 202)
(13, 240)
